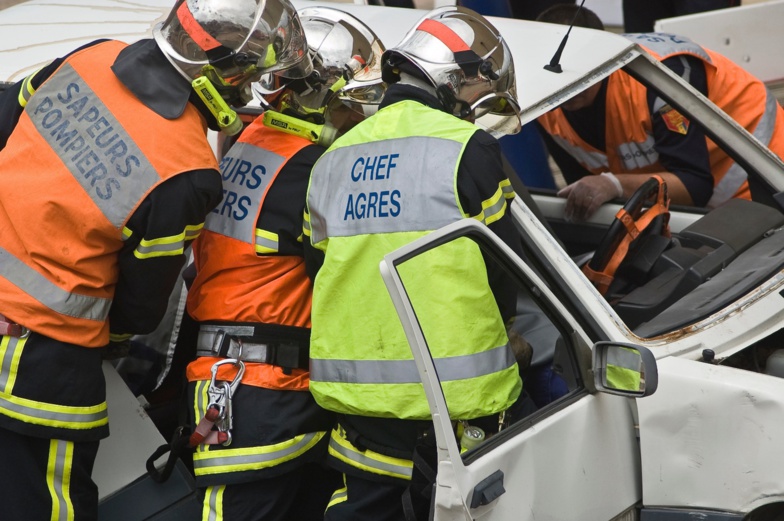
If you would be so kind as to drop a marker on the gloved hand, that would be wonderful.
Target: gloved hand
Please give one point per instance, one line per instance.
(585, 196)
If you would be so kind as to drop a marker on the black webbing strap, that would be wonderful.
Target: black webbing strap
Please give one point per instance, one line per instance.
(175, 447)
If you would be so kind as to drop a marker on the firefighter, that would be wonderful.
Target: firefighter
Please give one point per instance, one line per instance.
(107, 177)
(252, 296)
(422, 161)
(609, 134)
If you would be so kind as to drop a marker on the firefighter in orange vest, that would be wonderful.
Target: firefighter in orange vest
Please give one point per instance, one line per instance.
(617, 129)
(259, 436)
(107, 176)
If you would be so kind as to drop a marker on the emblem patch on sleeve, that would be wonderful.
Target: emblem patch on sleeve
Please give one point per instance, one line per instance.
(674, 120)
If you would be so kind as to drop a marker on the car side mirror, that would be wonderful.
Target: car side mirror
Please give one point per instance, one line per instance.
(624, 369)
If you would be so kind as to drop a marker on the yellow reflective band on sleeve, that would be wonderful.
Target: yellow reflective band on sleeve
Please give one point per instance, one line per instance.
(253, 458)
(212, 509)
(10, 352)
(167, 246)
(27, 90)
(367, 460)
(494, 207)
(266, 241)
(126, 233)
(53, 415)
(306, 224)
(58, 479)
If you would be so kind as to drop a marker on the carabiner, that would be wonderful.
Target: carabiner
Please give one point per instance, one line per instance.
(237, 378)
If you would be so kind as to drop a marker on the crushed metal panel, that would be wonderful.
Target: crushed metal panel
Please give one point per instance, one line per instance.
(711, 438)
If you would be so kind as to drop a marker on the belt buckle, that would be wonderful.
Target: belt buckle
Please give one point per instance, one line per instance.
(219, 345)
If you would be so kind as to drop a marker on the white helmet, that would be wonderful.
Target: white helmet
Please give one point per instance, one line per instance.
(467, 61)
(233, 42)
(345, 85)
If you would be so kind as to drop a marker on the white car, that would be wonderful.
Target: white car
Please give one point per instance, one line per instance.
(703, 315)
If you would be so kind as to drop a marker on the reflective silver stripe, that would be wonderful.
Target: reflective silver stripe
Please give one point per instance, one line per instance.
(156, 248)
(10, 349)
(638, 155)
(238, 460)
(394, 185)
(495, 210)
(736, 176)
(92, 144)
(306, 224)
(59, 479)
(43, 413)
(212, 509)
(624, 358)
(591, 160)
(48, 294)
(26, 90)
(339, 496)
(363, 461)
(266, 242)
(405, 371)
(200, 400)
(666, 45)
(247, 173)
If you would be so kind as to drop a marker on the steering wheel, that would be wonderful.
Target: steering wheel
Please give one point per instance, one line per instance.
(630, 223)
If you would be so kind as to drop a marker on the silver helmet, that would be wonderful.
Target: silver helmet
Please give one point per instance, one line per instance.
(467, 61)
(233, 42)
(345, 85)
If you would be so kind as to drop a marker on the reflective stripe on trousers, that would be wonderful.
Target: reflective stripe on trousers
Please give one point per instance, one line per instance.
(40, 413)
(207, 462)
(367, 460)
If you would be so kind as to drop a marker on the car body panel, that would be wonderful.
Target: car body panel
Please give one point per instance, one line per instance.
(711, 437)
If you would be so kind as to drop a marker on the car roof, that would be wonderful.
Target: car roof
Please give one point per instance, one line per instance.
(37, 31)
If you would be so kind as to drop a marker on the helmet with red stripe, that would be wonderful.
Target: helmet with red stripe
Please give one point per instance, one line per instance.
(345, 85)
(464, 57)
(233, 42)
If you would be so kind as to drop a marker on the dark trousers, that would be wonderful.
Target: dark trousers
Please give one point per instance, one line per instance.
(33, 471)
(368, 500)
(301, 495)
(639, 16)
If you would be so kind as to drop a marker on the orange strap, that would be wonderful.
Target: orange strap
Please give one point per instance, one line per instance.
(443, 33)
(194, 29)
(603, 279)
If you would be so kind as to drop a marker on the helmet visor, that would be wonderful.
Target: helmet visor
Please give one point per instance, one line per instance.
(497, 113)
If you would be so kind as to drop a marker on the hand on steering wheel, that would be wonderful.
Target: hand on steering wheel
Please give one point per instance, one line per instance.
(629, 223)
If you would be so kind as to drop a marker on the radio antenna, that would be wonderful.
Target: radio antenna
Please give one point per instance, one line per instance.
(555, 65)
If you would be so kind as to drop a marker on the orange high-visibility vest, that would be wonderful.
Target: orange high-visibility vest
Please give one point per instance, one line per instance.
(235, 280)
(629, 135)
(82, 157)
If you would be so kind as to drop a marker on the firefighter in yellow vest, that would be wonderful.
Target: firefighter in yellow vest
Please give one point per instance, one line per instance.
(107, 176)
(610, 138)
(252, 295)
(417, 164)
